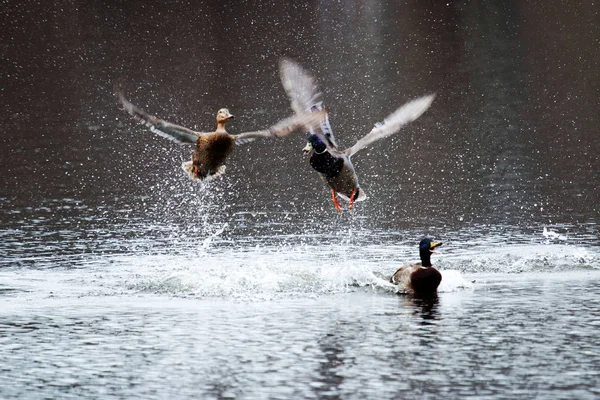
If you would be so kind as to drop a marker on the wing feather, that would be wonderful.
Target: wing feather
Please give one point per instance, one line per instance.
(392, 124)
(299, 85)
(304, 95)
(163, 128)
(305, 120)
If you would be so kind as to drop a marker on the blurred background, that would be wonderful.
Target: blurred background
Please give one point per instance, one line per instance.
(511, 142)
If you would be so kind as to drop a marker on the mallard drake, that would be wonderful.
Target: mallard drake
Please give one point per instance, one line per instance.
(333, 165)
(213, 148)
(421, 278)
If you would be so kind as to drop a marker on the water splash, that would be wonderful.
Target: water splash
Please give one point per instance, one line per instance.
(523, 258)
(218, 232)
(552, 235)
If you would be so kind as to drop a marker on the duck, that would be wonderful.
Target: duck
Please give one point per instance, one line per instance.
(334, 166)
(213, 148)
(422, 278)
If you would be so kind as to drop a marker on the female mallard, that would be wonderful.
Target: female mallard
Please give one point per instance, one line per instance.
(334, 166)
(420, 278)
(213, 148)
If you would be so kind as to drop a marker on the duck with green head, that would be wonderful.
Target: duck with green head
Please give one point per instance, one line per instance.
(420, 278)
(333, 165)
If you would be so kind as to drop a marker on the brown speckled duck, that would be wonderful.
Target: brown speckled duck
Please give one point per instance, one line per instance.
(213, 148)
(421, 279)
(334, 165)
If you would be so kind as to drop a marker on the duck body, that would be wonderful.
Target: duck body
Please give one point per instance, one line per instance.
(328, 165)
(416, 279)
(344, 182)
(211, 153)
(422, 278)
(335, 169)
(342, 179)
(337, 173)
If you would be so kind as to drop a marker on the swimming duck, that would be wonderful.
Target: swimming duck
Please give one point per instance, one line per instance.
(333, 165)
(421, 278)
(213, 148)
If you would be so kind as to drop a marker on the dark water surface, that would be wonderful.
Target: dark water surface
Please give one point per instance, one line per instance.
(120, 278)
(510, 338)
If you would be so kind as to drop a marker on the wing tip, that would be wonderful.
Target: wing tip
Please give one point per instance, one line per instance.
(285, 62)
(126, 105)
(429, 98)
(423, 104)
(119, 94)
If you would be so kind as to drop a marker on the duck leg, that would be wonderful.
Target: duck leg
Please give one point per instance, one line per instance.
(351, 203)
(336, 203)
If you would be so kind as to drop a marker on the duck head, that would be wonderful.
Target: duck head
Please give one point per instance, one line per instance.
(426, 247)
(223, 115)
(315, 143)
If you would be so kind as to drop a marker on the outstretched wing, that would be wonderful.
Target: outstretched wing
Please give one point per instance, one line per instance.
(304, 121)
(304, 95)
(299, 85)
(165, 129)
(392, 124)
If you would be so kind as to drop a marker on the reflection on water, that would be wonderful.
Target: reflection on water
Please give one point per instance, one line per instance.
(330, 380)
(491, 342)
(426, 306)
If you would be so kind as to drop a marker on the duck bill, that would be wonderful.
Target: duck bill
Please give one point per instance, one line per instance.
(433, 245)
(307, 149)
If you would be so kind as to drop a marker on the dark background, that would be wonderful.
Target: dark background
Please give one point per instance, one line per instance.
(511, 140)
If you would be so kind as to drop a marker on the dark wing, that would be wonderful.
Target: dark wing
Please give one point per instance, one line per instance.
(304, 95)
(165, 129)
(392, 124)
(304, 121)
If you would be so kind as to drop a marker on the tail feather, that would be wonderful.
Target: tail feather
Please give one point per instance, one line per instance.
(361, 196)
(188, 168)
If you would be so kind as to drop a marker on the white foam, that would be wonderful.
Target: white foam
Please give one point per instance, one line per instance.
(206, 243)
(553, 235)
(261, 272)
(522, 258)
(214, 267)
(452, 281)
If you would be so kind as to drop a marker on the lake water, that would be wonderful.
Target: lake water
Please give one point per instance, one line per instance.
(120, 278)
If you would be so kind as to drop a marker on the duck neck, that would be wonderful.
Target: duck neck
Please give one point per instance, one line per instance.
(426, 258)
(319, 148)
(221, 126)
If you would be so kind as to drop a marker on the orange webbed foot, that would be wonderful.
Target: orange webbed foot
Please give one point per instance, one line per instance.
(351, 204)
(336, 203)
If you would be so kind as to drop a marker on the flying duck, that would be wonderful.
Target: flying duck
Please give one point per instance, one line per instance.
(213, 148)
(333, 165)
(421, 278)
